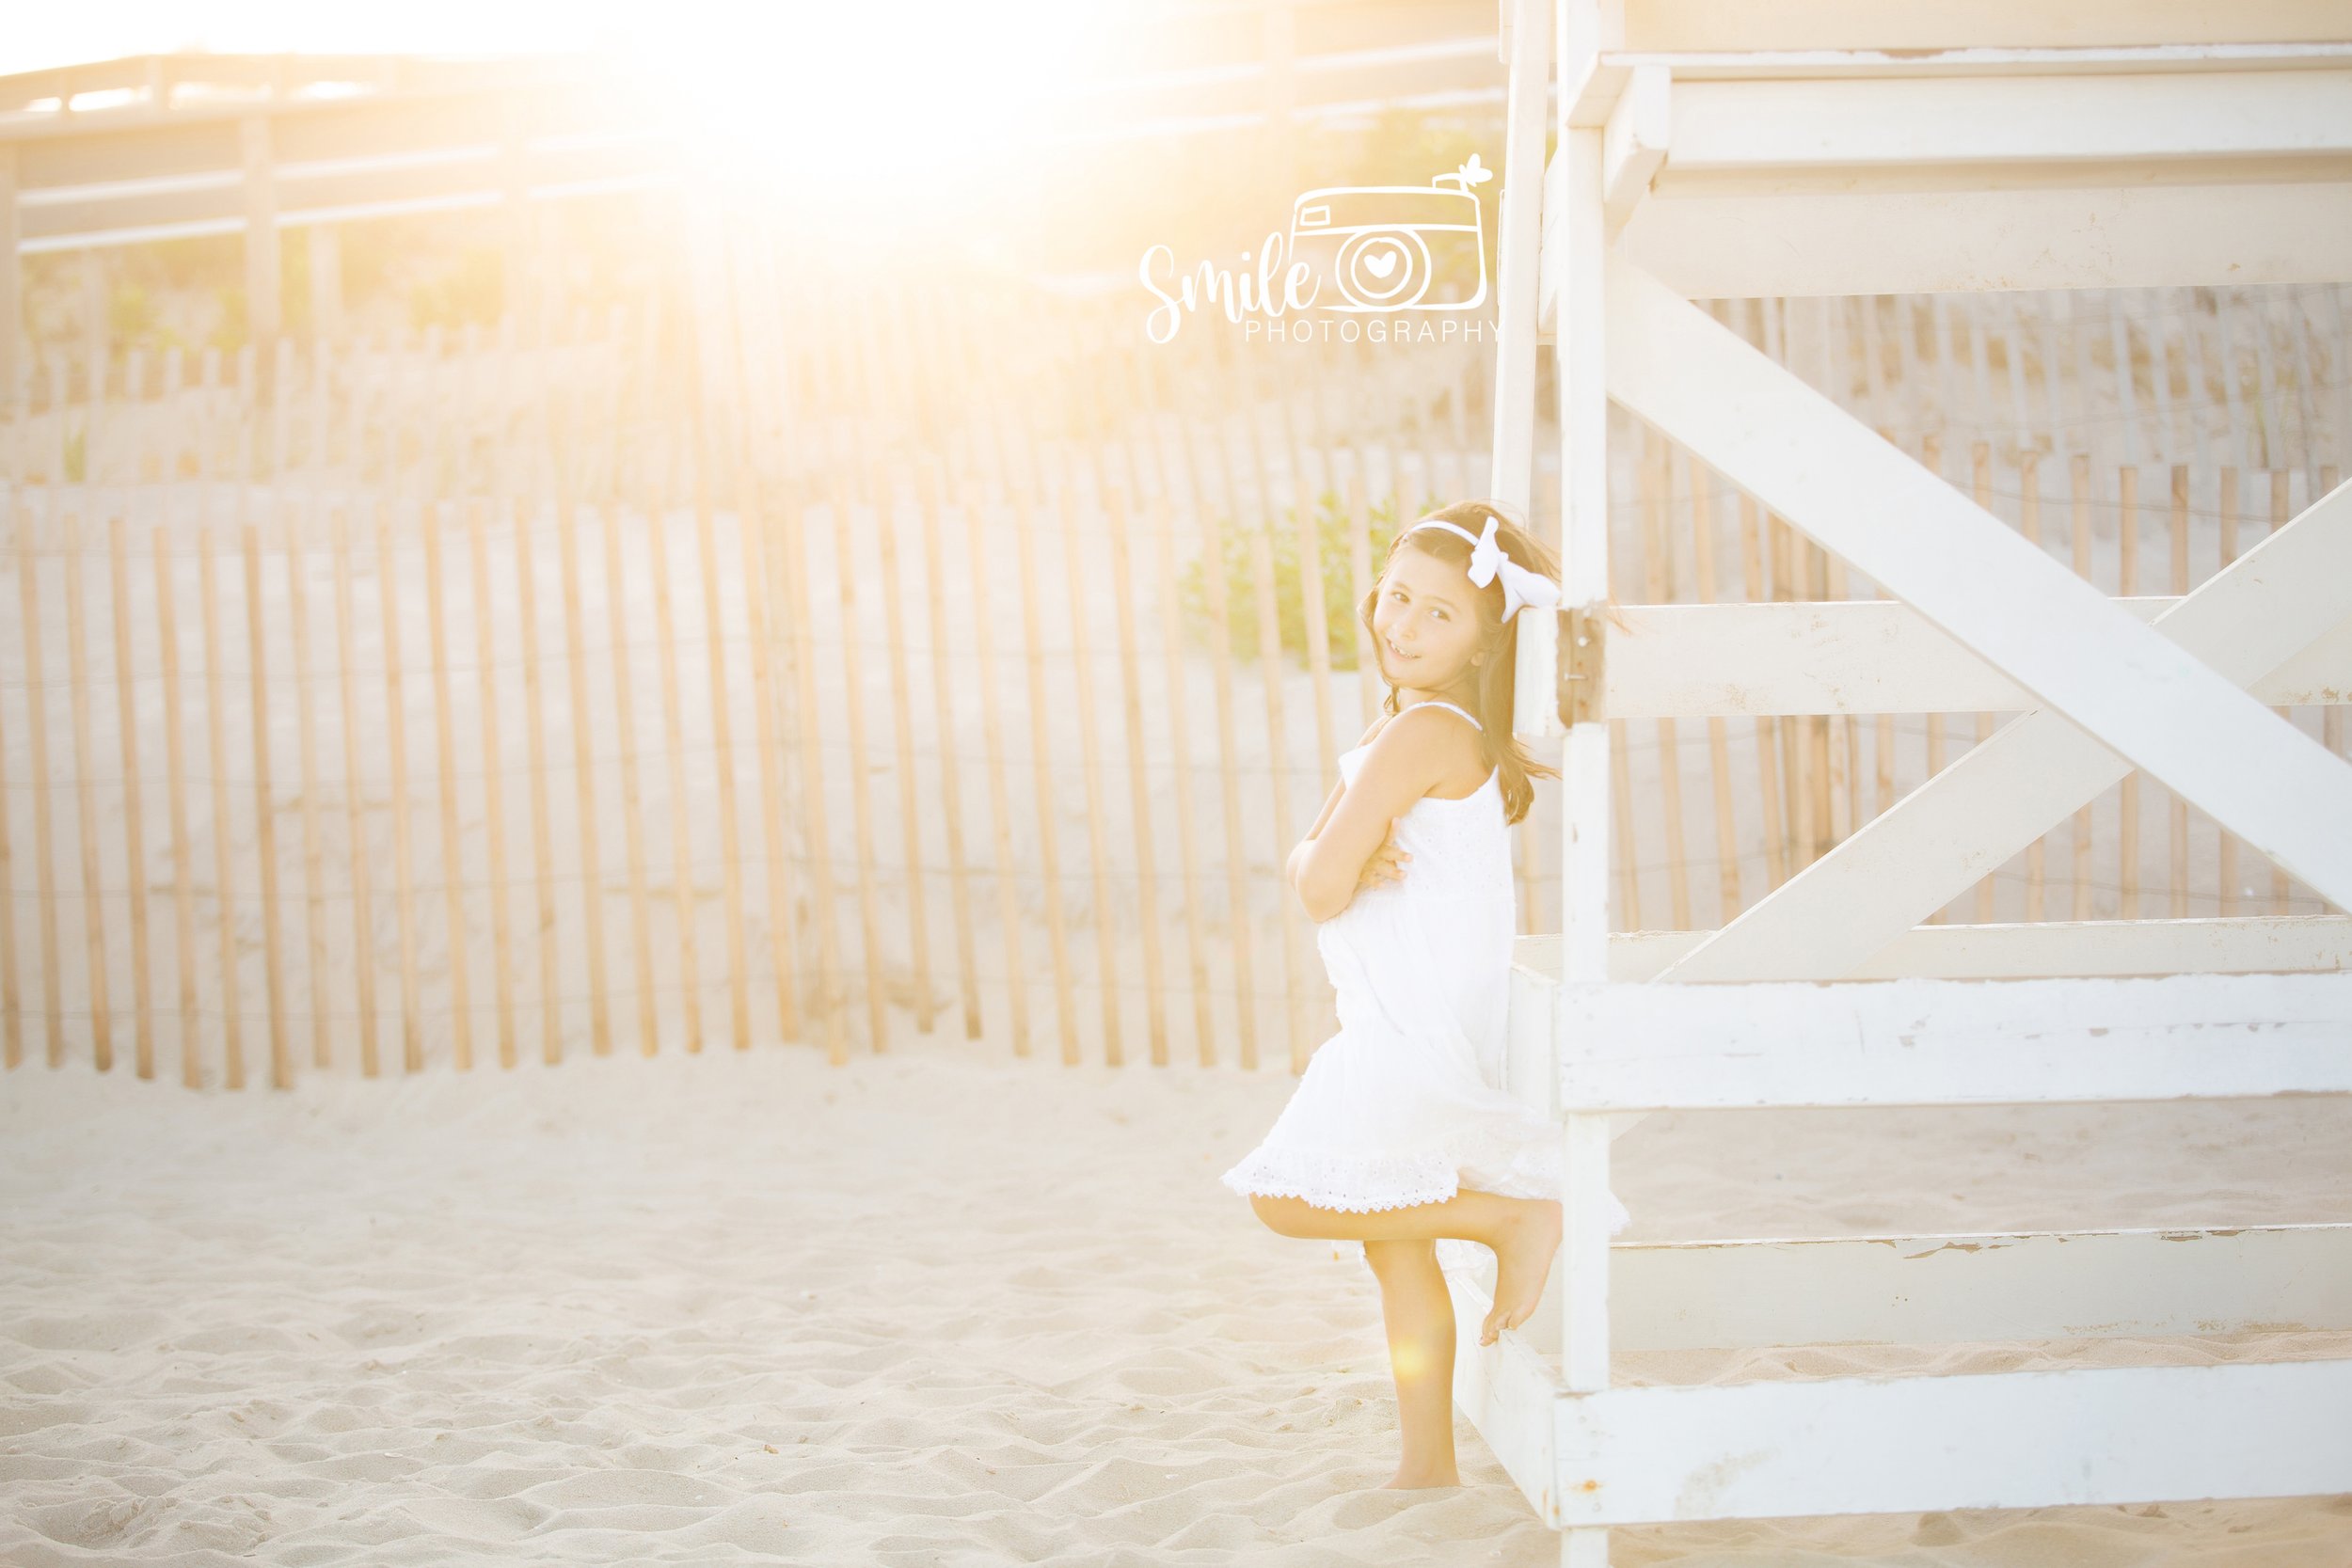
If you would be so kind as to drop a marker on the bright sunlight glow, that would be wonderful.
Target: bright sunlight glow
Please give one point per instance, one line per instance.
(912, 100)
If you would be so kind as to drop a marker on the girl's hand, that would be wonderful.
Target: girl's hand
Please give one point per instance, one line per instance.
(1387, 863)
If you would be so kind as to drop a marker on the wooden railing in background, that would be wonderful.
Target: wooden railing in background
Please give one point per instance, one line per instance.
(1024, 647)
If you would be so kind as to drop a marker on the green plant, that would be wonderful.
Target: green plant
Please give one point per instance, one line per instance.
(1333, 530)
(134, 316)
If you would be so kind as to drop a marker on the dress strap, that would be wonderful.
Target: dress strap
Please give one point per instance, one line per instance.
(1440, 702)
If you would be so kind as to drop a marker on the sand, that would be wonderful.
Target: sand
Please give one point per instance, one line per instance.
(933, 1307)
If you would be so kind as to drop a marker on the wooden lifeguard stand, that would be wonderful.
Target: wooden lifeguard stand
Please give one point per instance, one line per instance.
(1708, 150)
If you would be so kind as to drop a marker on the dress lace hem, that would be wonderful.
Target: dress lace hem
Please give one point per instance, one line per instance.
(1351, 1184)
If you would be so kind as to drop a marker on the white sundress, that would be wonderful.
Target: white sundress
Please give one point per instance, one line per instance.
(1403, 1106)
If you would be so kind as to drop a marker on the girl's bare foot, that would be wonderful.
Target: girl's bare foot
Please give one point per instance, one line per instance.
(1522, 1259)
(1410, 1478)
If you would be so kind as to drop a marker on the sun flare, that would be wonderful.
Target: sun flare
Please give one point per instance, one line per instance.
(897, 101)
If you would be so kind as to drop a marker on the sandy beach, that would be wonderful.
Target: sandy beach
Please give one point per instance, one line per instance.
(664, 663)
(931, 1308)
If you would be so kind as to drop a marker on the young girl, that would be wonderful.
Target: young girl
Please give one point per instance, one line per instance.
(1397, 1135)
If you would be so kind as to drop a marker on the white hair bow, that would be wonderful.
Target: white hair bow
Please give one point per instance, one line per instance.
(1520, 587)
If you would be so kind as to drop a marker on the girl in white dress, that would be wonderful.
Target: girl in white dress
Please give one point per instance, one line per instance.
(1398, 1136)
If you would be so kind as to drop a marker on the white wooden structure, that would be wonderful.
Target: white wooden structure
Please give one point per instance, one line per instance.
(1817, 147)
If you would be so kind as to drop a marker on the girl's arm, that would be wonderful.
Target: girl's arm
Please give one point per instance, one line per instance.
(1298, 850)
(1405, 762)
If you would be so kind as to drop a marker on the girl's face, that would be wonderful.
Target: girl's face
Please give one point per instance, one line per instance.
(1425, 621)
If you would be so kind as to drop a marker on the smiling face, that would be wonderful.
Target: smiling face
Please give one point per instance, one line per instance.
(1424, 622)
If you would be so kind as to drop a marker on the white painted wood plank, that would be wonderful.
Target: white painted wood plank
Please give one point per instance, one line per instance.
(1861, 656)
(1583, 1308)
(1527, 1025)
(1585, 849)
(2135, 689)
(1582, 374)
(1530, 1065)
(2319, 677)
(1954, 1042)
(1530, 1057)
(2016, 950)
(1527, 42)
(2110, 235)
(1927, 27)
(2074, 1436)
(2269, 605)
(1634, 145)
(1582, 368)
(1977, 1289)
(1508, 1392)
(1719, 63)
(1730, 131)
(1581, 1272)
(1515, 358)
(1551, 259)
(1592, 33)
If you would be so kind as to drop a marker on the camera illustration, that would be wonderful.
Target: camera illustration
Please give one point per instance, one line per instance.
(1395, 247)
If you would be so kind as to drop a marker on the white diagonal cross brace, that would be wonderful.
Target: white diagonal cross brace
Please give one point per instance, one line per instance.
(1998, 594)
(2267, 607)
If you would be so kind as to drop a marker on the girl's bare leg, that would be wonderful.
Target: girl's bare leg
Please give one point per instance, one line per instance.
(1419, 1319)
(1524, 1234)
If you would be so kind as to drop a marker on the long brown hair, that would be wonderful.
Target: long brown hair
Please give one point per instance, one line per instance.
(1499, 640)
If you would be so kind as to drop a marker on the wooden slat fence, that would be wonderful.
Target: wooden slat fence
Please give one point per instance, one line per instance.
(925, 657)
